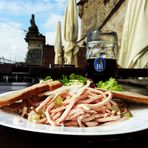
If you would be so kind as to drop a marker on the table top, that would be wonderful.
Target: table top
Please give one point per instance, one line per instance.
(10, 137)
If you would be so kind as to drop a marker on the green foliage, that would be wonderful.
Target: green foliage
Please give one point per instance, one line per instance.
(73, 78)
(111, 84)
(47, 78)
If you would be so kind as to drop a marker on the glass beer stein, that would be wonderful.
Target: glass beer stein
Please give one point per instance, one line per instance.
(101, 55)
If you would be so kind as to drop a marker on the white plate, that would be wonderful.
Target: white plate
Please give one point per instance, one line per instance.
(138, 122)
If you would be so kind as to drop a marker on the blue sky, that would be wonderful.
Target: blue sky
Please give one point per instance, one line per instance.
(15, 18)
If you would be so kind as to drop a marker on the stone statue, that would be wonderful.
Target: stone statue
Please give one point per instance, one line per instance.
(33, 29)
(32, 20)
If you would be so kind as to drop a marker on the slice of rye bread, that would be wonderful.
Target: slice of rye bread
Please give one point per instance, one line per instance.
(128, 96)
(131, 96)
(27, 92)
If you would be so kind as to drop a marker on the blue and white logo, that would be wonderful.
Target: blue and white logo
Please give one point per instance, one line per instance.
(99, 64)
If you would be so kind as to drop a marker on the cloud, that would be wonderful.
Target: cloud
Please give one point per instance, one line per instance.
(12, 45)
(31, 6)
(52, 20)
(25, 7)
(50, 38)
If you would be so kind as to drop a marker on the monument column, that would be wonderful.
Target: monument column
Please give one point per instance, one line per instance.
(36, 43)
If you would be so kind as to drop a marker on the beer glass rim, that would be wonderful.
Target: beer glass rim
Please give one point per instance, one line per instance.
(101, 32)
(97, 33)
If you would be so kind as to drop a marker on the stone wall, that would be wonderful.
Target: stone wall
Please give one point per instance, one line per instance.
(35, 50)
(34, 57)
(116, 22)
(94, 12)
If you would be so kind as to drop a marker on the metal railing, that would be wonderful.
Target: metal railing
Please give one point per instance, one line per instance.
(4, 60)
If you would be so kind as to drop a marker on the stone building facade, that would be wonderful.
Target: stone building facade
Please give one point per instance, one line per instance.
(48, 56)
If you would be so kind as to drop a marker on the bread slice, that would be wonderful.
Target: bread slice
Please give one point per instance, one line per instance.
(129, 96)
(33, 90)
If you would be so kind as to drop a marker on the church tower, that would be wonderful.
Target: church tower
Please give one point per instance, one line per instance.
(36, 43)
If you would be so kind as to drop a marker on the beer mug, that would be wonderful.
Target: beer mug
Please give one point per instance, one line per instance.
(101, 55)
